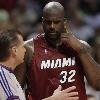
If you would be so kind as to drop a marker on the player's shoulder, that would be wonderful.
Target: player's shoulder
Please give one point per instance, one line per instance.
(85, 43)
(38, 36)
(88, 47)
(28, 42)
(35, 37)
(29, 45)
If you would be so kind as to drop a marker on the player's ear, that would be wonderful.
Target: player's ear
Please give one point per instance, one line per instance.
(66, 20)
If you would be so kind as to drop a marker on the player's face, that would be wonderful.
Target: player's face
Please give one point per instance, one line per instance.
(53, 25)
(20, 51)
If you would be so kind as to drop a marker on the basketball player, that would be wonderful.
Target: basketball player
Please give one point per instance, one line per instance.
(57, 57)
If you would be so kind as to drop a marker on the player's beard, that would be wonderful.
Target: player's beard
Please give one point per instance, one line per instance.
(53, 38)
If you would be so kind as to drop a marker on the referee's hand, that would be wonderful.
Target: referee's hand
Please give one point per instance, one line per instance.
(66, 94)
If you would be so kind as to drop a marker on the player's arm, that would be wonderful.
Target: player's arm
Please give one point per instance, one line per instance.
(66, 94)
(20, 71)
(91, 68)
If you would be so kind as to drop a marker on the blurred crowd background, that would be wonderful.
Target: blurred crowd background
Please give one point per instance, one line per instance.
(83, 17)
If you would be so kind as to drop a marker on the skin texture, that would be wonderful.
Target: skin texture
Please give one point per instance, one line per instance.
(64, 94)
(57, 31)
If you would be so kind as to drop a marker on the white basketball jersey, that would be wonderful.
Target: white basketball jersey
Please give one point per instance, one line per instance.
(9, 86)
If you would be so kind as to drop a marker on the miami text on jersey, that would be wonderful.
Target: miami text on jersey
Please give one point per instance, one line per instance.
(56, 63)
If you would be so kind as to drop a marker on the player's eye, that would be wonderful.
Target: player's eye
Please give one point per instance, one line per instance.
(57, 22)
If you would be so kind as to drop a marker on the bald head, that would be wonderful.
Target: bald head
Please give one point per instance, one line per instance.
(53, 22)
(53, 8)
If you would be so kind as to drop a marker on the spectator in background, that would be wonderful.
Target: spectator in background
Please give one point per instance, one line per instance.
(80, 28)
(94, 41)
(90, 10)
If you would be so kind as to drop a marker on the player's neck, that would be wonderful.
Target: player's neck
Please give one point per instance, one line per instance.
(53, 43)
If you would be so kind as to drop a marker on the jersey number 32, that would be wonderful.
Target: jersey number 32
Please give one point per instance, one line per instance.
(67, 76)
